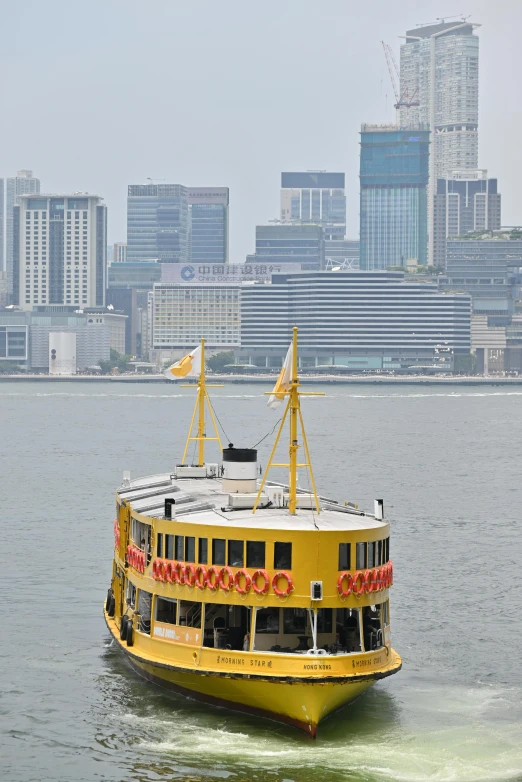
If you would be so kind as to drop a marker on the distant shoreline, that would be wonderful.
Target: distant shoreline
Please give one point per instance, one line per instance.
(269, 380)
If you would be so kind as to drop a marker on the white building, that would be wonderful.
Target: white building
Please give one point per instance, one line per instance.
(22, 184)
(440, 73)
(119, 253)
(182, 314)
(60, 251)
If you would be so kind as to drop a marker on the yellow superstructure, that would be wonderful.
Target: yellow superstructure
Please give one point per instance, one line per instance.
(283, 612)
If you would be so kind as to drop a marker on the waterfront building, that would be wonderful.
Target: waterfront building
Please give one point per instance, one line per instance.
(24, 183)
(208, 224)
(25, 336)
(60, 251)
(157, 223)
(315, 197)
(439, 71)
(488, 269)
(393, 201)
(181, 314)
(301, 243)
(360, 320)
(119, 252)
(466, 202)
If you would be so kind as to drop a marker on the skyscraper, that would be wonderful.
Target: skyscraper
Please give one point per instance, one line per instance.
(208, 224)
(394, 178)
(440, 72)
(157, 223)
(315, 197)
(59, 251)
(465, 202)
(2, 229)
(22, 184)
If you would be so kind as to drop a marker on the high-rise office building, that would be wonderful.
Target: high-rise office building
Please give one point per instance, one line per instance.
(157, 223)
(2, 226)
(59, 251)
(24, 183)
(466, 202)
(289, 243)
(393, 206)
(208, 224)
(440, 73)
(315, 197)
(119, 252)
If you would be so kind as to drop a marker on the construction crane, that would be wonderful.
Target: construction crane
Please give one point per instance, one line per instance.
(403, 101)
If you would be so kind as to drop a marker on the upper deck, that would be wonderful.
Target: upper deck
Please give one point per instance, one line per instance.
(203, 501)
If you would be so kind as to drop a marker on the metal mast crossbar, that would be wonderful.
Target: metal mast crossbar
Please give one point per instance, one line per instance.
(199, 410)
(293, 410)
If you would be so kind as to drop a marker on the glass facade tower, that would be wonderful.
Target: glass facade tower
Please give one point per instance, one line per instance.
(208, 225)
(157, 223)
(394, 173)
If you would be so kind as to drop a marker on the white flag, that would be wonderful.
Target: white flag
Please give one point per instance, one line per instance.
(188, 366)
(283, 381)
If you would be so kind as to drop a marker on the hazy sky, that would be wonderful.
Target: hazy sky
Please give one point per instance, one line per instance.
(102, 93)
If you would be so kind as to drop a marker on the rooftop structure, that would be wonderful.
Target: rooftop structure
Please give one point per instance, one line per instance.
(286, 243)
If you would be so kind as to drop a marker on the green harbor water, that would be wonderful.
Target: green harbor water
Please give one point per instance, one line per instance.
(448, 464)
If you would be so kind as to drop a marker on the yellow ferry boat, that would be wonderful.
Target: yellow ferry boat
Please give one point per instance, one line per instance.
(247, 593)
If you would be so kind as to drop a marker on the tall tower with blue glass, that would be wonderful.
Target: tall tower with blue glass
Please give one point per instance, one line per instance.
(394, 174)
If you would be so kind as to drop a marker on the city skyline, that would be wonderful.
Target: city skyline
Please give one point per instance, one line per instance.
(241, 145)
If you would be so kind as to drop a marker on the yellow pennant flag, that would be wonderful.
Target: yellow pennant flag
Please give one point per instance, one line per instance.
(283, 381)
(188, 366)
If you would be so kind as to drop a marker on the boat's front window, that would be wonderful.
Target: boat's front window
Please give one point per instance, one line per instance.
(203, 551)
(294, 620)
(190, 549)
(130, 595)
(373, 626)
(344, 556)
(179, 547)
(283, 556)
(255, 553)
(144, 609)
(218, 551)
(159, 545)
(348, 634)
(236, 553)
(166, 610)
(169, 546)
(267, 620)
(190, 613)
(361, 555)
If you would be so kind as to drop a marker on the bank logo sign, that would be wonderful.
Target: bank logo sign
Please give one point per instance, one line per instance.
(223, 274)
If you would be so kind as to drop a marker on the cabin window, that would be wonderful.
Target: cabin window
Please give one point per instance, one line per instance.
(295, 620)
(372, 628)
(130, 595)
(190, 613)
(236, 553)
(218, 551)
(267, 620)
(190, 549)
(385, 609)
(203, 551)
(386, 550)
(179, 551)
(344, 556)
(144, 609)
(169, 546)
(283, 556)
(324, 620)
(159, 545)
(379, 553)
(255, 553)
(371, 554)
(348, 629)
(361, 554)
(166, 610)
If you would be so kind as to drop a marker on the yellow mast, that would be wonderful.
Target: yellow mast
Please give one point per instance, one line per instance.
(199, 408)
(293, 407)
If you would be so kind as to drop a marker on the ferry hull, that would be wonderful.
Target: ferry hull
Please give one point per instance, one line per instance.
(300, 703)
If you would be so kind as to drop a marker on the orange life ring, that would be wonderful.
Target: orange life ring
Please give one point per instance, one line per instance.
(212, 585)
(201, 577)
(367, 581)
(266, 586)
(161, 569)
(226, 586)
(390, 572)
(380, 578)
(178, 571)
(340, 581)
(189, 574)
(155, 569)
(237, 581)
(168, 572)
(290, 586)
(375, 583)
(358, 583)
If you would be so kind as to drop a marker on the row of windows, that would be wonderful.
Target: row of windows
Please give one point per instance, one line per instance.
(223, 552)
(367, 555)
